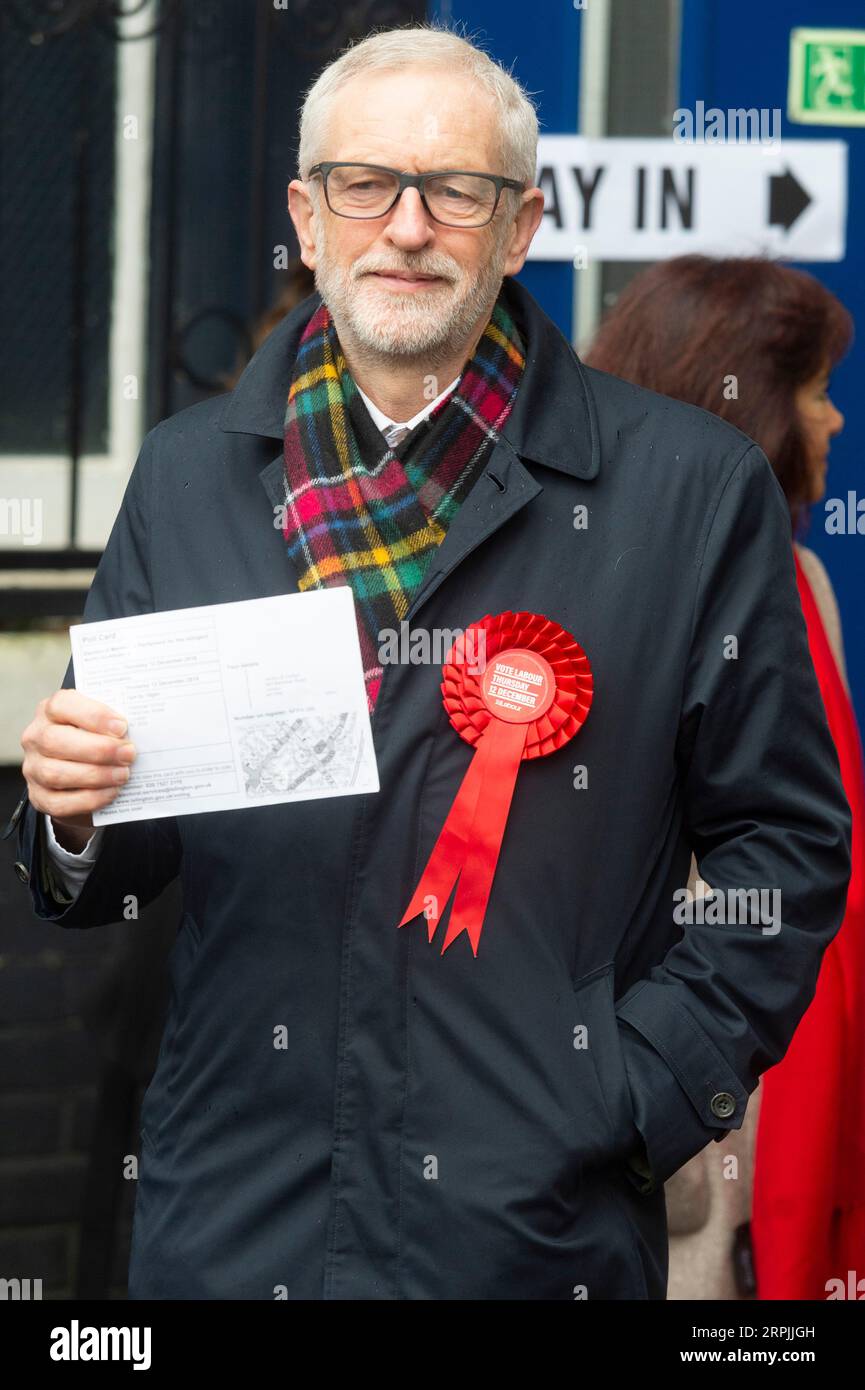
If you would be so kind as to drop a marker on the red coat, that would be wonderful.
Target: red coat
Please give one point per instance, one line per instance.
(808, 1218)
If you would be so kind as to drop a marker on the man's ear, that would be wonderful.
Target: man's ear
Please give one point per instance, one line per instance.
(301, 210)
(526, 223)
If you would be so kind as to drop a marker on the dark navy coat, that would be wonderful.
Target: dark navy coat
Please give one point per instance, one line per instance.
(431, 1130)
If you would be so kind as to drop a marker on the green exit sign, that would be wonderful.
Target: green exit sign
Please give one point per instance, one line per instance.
(827, 77)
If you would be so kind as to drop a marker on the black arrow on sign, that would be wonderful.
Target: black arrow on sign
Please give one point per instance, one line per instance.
(787, 200)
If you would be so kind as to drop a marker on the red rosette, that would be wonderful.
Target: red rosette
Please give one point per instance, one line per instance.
(515, 686)
(572, 698)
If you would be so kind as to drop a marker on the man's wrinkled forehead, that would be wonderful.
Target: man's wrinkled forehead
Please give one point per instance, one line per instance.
(414, 119)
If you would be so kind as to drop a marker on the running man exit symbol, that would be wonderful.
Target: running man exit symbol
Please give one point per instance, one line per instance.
(827, 77)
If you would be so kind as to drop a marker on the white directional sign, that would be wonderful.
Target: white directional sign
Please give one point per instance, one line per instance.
(640, 200)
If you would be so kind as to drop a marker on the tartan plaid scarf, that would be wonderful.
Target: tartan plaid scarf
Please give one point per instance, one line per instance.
(361, 513)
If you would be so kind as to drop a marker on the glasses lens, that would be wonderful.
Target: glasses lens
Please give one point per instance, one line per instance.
(359, 192)
(462, 200)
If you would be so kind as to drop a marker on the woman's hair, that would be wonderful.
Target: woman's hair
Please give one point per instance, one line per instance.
(432, 46)
(736, 336)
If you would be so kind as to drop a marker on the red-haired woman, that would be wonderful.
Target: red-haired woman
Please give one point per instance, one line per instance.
(754, 342)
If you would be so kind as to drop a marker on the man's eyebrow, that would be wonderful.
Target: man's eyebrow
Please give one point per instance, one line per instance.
(438, 169)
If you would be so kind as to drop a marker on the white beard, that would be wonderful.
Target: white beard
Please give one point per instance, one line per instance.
(417, 323)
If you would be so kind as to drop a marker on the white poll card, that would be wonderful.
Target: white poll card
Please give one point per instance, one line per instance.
(233, 704)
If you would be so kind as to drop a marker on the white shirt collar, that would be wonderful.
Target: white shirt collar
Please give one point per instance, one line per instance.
(387, 426)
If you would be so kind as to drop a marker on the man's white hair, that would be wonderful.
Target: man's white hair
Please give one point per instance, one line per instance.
(433, 46)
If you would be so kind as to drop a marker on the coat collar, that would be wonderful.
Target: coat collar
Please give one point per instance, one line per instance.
(564, 437)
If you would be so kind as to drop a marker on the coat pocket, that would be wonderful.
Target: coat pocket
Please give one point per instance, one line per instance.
(157, 1099)
(610, 1130)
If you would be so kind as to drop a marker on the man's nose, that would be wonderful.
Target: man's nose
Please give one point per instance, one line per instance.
(408, 225)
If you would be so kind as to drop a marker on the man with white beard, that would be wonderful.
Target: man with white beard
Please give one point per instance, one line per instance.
(493, 1120)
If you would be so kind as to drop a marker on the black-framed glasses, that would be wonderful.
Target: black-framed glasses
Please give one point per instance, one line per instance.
(453, 197)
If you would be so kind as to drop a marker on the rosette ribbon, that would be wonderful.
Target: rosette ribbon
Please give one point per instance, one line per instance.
(526, 696)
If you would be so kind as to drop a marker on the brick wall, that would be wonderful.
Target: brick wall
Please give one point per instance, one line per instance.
(60, 1153)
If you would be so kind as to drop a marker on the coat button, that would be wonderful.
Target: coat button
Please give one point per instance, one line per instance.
(22, 871)
(722, 1105)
